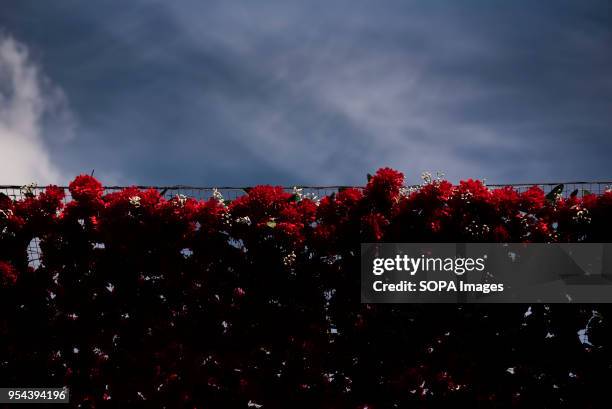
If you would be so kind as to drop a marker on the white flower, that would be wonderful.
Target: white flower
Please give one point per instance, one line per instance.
(427, 177)
(312, 197)
(582, 215)
(217, 195)
(244, 220)
(135, 201)
(226, 218)
(28, 190)
(289, 259)
(298, 192)
(405, 191)
(181, 199)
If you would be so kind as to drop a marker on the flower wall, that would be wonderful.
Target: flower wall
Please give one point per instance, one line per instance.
(255, 302)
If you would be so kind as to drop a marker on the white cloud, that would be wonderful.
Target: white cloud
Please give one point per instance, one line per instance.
(29, 105)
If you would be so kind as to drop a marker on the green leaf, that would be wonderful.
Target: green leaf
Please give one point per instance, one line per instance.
(552, 195)
(586, 192)
(294, 198)
(369, 177)
(227, 202)
(574, 193)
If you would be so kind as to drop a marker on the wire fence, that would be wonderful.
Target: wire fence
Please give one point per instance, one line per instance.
(230, 193)
(314, 192)
(199, 193)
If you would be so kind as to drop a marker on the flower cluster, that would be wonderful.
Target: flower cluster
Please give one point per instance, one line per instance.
(255, 302)
(8, 274)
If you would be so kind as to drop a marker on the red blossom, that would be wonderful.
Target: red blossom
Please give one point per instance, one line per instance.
(85, 188)
(51, 200)
(384, 187)
(472, 191)
(213, 303)
(373, 226)
(532, 199)
(261, 202)
(8, 274)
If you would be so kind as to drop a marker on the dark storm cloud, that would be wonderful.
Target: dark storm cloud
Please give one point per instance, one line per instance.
(315, 92)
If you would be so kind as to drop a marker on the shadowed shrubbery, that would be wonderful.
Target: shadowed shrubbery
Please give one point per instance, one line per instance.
(253, 302)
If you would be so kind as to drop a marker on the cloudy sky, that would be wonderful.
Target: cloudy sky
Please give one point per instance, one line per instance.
(305, 92)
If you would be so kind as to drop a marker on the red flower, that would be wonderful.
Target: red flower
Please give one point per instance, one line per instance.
(261, 203)
(51, 200)
(290, 230)
(533, 199)
(384, 187)
(307, 210)
(373, 225)
(472, 191)
(210, 215)
(85, 188)
(430, 196)
(500, 234)
(385, 179)
(590, 201)
(8, 274)
(505, 199)
(334, 209)
(349, 197)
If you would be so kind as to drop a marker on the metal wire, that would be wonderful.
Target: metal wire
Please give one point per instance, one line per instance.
(230, 193)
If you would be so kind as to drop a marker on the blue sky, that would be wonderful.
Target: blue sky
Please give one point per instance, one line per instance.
(304, 92)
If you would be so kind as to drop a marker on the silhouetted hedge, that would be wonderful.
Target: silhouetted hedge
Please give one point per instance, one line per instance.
(210, 304)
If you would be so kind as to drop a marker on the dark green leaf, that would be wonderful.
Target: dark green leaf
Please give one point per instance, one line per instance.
(552, 195)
